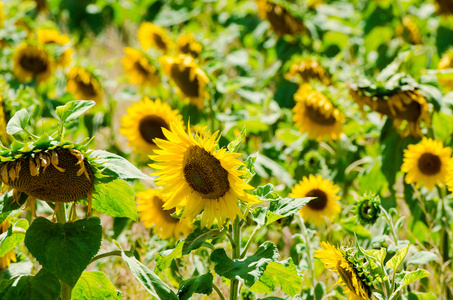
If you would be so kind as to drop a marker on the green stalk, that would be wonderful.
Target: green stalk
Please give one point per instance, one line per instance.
(66, 290)
(390, 223)
(236, 253)
(311, 266)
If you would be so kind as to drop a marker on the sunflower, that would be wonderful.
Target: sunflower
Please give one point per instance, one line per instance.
(30, 62)
(426, 163)
(279, 17)
(411, 31)
(150, 35)
(309, 70)
(315, 114)
(190, 79)
(196, 175)
(83, 85)
(53, 37)
(444, 7)
(144, 122)
(6, 259)
(325, 205)
(350, 275)
(188, 45)
(139, 68)
(445, 63)
(151, 213)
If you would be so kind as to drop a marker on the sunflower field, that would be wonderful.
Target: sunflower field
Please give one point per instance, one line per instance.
(226, 149)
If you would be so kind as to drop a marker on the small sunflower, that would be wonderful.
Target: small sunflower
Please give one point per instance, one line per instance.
(139, 68)
(196, 175)
(6, 259)
(315, 114)
(53, 36)
(188, 45)
(30, 62)
(151, 213)
(350, 274)
(367, 209)
(426, 163)
(308, 70)
(325, 205)
(190, 79)
(281, 20)
(144, 122)
(410, 29)
(150, 35)
(83, 85)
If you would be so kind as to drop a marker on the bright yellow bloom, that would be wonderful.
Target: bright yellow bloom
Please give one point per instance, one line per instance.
(196, 175)
(151, 213)
(139, 69)
(325, 205)
(150, 35)
(426, 163)
(83, 85)
(30, 62)
(445, 63)
(2, 15)
(6, 259)
(188, 45)
(144, 122)
(308, 70)
(53, 36)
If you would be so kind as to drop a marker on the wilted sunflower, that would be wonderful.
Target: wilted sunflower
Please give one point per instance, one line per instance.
(151, 213)
(83, 85)
(325, 205)
(139, 68)
(426, 163)
(53, 36)
(410, 30)
(150, 35)
(308, 70)
(350, 274)
(315, 114)
(190, 79)
(144, 122)
(188, 45)
(6, 259)
(445, 63)
(30, 62)
(196, 175)
(281, 20)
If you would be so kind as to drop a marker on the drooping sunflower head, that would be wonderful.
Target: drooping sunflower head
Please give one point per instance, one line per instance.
(144, 121)
(6, 259)
(53, 37)
(315, 114)
(188, 76)
(350, 272)
(139, 68)
(324, 205)
(279, 17)
(367, 209)
(308, 70)
(426, 163)
(187, 44)
(195, 174)
(31, 61)
(150, 35)
(151, 213)
(84, 85)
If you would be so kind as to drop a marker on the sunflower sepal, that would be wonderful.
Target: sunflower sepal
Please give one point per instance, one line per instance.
(234, 145)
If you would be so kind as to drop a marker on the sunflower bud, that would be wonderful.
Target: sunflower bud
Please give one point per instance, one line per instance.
(313, 162)
(368, 209)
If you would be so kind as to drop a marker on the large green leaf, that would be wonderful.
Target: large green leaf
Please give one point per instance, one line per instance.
(115, 198)
(18, 122)
(153, 284)
(73, 109)
(164, 258)
(42, 286)
(13, 237)
(200, 285)
(94, 285)
(281, 208)
(65, 250)
(397, 259)
(196, 239)
(423, 257)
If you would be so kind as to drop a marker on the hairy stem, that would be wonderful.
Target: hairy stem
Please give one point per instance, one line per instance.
(236, 253)
(218, 291)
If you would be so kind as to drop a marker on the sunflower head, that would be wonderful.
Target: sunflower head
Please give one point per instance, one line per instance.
(279, 17)
(32, 62)
(139, 68)
(151, 213)
(6, 259)
(426, 163)
(308, 70)
(315, 114)
(194, 173)
(187, 44)
(444, 7)
(52, 37)
(409, 30)
(367, 209)
(144, 122)
(325, 203)
(188, 76)
(84, 85)
(313, 162)
(445, 77)
(150, 35)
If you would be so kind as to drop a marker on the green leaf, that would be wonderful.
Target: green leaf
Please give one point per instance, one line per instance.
(234, 145)
(73, 109)
(378, 254)
(7, 204)
(200, 285)
(42, 286)
(117, 166)
(249, 168)
(18, 122)
(414, 276)
(164, 258)
(196, 239)
(115, 198)
(421, 296)
(153, 284)
(397, 259)
(422, 257)
(94, 285)
(65, 250)
(281, 208)
(279, 273)
(355, 228)
(13, 237)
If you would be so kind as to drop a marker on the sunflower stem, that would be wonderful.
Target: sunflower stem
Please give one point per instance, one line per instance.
(218, 291)
(211, 115)
(255, 231)
(66, 290)
(236, 254)
(107, 254)
(390, 223)
(311, 266)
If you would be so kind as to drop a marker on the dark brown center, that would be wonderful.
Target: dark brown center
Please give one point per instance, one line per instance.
(138, 66)
(33, 64)
(159, 42)
(316, 116)
(320, 202)
(182, 79)
(86, 88)
(204, 173)
(150, 127)
(277, 17)
(429, 164)
(166, 214)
